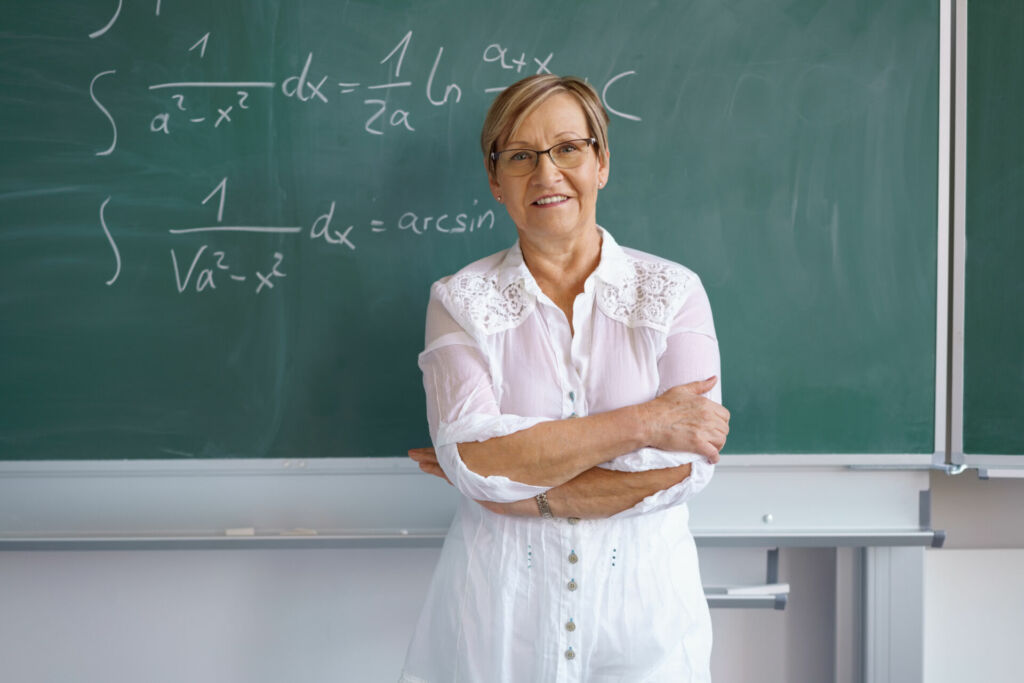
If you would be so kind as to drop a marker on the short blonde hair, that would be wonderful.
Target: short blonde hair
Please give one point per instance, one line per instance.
(518, 101)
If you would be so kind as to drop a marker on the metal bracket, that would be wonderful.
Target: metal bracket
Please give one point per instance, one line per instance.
(772, 573)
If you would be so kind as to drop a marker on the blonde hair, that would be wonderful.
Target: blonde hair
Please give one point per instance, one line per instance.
(518, 101)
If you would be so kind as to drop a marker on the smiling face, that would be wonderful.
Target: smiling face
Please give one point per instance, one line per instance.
(552, 202)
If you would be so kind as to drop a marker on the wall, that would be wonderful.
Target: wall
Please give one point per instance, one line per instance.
(974, 596)
(222, 616)
(974, 615)
(312, 615)
(255, 616)
(978, 513)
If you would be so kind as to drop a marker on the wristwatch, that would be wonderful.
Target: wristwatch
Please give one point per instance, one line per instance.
(542, 505)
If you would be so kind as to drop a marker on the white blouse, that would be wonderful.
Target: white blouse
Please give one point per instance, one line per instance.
(531, 600)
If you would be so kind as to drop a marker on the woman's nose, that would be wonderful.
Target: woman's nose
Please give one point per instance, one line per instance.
(546, 168)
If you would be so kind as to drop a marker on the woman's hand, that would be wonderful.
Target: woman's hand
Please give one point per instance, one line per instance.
(681, 419)
(426, 458)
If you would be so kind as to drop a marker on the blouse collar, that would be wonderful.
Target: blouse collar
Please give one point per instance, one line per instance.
(613, 268)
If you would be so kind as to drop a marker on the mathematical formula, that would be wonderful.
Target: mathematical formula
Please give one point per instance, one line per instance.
(316, 84)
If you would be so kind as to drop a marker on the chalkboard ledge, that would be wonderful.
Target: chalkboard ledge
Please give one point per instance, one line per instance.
(389, 501)
(232, 467)
(403, 465)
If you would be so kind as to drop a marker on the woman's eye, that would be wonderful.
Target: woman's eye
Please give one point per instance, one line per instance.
(568, 148)
(522, 155)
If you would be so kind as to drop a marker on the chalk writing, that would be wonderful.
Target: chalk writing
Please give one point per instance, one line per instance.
(301, 87)
(446, 223)
(420, 77)
(113, 245)
(201, 44)
(117, 12)
(203, 280)
(222, 189)
(448, 89)
(200, 278)
(99, 32)
(267, 280)
(402, 45)
(399, 117)
(496, 53)
(309, 85)
(92, 94)
(322, 230)
(604, 97)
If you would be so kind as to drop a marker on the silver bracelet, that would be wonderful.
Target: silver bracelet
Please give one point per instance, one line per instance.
(542, 505)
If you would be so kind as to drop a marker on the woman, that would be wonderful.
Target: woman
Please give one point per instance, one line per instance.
(565, 380)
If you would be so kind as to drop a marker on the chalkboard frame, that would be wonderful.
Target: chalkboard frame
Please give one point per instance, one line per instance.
(924, 440)
(1011, 465)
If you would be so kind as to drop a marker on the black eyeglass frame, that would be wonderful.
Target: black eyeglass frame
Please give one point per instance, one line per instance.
(591, 142)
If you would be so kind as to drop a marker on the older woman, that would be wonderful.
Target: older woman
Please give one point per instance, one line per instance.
(566, 381)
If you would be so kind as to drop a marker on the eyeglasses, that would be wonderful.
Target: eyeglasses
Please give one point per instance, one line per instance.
(519, 162)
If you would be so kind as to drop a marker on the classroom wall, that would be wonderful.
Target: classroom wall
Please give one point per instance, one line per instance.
(974, 615)
(346, 615)
(978, 513)
(218, 616)
(974, 595)
(255, 616)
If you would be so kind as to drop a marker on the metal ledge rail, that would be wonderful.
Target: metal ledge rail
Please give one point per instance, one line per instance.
(433, 538)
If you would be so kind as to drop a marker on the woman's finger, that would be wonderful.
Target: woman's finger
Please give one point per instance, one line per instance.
(423, 454)
(701, 387)
(435, 470)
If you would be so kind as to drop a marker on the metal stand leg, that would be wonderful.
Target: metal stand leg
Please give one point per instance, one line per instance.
(894, 615)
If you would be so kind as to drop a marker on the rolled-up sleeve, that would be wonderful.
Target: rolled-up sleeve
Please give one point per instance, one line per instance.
(691, 354)
(462, 407)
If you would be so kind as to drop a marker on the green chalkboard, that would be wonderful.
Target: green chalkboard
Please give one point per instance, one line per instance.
(786, 150)
(994, 278)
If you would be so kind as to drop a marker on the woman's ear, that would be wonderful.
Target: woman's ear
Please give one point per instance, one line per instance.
(603, 169)
(493, 183)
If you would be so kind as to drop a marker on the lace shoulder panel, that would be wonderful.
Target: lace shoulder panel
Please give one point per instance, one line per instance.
(649, 296)
(482, 305)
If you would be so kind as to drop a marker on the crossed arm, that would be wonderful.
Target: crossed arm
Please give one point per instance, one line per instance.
(596, 493)
(562, 457)
(564, 454)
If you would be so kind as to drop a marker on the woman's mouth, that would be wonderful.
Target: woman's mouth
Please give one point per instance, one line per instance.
(551, 199)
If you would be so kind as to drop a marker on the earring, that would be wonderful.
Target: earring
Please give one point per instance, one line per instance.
(499, 199)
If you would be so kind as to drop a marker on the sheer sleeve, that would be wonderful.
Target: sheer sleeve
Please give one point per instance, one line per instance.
(461, 406)
(691, 354)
